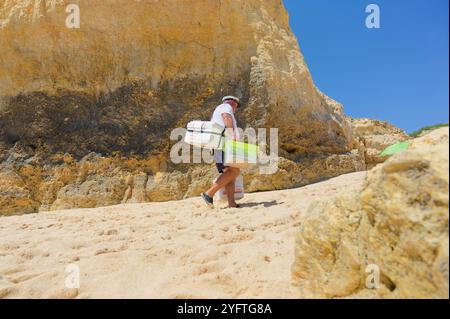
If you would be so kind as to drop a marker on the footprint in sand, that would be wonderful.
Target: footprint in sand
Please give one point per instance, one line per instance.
(166, 237)
(111, 232)
(77, 246)
(28, 254)
(74, 259)
(109, 250)
(12, 271)
(102, 251)
(236, 238)
(169, 252)
(4, 292)
(207, 236)
(207, 269)
(224, 279)
(64, 294)
(23, 277)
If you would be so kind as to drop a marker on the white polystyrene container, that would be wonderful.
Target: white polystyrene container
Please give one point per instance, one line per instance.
(204, 135)
(239, 190)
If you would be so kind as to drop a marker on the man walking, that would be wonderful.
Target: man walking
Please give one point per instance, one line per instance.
(224, 115)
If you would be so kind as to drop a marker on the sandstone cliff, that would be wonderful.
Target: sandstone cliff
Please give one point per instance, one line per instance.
(374, 136)
(132, 72)
(106, 96)
(396, 224)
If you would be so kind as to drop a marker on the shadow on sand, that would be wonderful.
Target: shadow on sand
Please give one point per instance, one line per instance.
(265, 204)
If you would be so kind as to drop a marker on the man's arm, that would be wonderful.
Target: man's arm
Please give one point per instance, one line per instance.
(228, 120)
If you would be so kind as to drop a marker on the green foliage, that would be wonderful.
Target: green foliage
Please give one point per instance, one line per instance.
(427, 128)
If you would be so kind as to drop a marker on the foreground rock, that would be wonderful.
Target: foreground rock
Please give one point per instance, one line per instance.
(135, 79)
(397, 222)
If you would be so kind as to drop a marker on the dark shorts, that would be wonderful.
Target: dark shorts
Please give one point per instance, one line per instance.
(218, 158)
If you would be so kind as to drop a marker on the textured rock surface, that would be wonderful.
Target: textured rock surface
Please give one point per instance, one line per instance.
(129, 76)
(120, 83)
(375, 136)
(95, 193)
(15, 198)
(398, 221)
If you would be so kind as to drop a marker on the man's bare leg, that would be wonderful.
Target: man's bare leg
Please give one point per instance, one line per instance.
(229, 175)
(230, 188)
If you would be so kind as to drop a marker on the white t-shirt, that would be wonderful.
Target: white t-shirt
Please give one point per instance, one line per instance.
(217, 116)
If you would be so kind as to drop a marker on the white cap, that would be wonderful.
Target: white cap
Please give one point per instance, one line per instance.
(230, 98)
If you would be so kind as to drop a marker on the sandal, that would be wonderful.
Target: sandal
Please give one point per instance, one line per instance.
(208, 200)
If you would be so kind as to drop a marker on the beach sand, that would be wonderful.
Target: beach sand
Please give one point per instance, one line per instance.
(178, 249)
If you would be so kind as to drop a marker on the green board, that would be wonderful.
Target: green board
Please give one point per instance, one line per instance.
(244, 148)
(396, 148)
(240, 153)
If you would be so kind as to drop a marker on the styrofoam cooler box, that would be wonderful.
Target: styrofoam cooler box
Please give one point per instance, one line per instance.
(239, 190)
(205, 135)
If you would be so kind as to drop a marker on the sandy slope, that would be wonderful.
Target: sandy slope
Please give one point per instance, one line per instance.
(176, 249)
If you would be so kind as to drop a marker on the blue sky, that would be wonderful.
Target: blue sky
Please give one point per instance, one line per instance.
(398, 73)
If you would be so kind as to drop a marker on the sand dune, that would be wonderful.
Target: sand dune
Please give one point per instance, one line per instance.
(176, 249)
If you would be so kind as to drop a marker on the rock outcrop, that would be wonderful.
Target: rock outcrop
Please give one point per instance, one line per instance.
(15, 198)
(394, 229)
(130, 74)
(374, 136)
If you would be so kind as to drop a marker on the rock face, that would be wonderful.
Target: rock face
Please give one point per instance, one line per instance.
(127, 76)
(131, 73)
(15, 198)
(374, 137)
(396, 225)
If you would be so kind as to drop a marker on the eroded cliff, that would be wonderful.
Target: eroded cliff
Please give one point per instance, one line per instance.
(135, 70)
